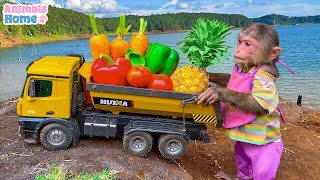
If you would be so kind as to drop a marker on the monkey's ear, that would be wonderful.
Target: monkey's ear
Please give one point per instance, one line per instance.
(275, 52)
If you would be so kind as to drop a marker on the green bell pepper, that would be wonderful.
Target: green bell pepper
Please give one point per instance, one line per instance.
(135, 57)
(171, 63)
(161, 59)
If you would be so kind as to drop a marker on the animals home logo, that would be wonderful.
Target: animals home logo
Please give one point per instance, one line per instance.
(22, 14)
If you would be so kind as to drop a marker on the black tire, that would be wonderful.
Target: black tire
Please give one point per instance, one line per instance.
(55, 137)
(137, 143)
(172, 146)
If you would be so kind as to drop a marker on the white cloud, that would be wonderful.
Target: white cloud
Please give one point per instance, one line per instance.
(99, 6)
(50, 2)
(173, 2)
(173, 6)
(184, 5)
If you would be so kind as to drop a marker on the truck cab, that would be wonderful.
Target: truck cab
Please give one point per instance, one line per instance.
(48, 87)
(48, 93)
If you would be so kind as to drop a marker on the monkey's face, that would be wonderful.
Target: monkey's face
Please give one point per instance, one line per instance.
(246, 51)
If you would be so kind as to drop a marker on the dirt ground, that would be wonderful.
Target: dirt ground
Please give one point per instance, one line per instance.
(6, 42)
(19, 160)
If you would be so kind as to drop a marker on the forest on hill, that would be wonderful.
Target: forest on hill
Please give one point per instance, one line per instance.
(274, 19)
(68, 22)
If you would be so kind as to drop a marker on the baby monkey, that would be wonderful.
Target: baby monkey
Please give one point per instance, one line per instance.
(249, 103)
(258, 45)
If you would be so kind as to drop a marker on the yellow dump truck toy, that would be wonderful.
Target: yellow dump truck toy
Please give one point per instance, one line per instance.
(59, 102)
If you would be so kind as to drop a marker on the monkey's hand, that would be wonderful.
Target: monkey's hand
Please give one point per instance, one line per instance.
(209, 96)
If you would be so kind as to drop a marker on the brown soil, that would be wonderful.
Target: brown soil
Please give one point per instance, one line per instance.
(6, 41)
(19, 160)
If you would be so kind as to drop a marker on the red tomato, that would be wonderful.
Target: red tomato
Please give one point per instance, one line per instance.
(161, 82)
(138, 76)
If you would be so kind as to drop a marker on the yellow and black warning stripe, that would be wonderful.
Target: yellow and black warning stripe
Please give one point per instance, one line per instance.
(198, 118)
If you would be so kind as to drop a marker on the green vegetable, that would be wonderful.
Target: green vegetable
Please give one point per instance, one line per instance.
(205, 44)
(135, 57)
(171, 63)
(159, 59)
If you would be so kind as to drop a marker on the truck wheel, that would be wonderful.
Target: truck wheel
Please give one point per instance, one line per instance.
(137, 143)
(172, 146)
(55, 137)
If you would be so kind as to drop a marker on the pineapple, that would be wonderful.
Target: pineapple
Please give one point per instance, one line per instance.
(203, 46)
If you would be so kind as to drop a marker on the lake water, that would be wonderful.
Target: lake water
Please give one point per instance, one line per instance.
(300, 44)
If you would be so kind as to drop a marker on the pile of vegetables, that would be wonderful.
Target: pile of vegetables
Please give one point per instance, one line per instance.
(144, 65)
(137, 63)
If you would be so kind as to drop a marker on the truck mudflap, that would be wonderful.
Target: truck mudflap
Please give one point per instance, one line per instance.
(204, 137)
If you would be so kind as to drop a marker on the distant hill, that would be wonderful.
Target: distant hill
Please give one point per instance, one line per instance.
(274, 19)
(66, 22)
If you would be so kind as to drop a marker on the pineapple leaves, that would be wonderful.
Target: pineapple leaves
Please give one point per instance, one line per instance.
(205, 44)
(193, 49)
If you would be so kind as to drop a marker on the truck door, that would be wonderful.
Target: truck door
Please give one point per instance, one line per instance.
(39, 98)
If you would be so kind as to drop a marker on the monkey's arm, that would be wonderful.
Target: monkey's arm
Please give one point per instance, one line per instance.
(245, 102)
(221, 79)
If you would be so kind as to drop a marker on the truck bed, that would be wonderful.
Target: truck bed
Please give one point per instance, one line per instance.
(127, 99)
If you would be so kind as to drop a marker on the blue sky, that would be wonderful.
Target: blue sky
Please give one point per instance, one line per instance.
(249, 8)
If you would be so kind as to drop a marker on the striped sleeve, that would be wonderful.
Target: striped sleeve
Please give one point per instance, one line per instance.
(264, 91)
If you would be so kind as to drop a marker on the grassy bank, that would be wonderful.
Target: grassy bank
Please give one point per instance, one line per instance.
(7, 41)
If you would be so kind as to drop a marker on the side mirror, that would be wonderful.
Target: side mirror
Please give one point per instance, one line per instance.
(30, 99)
(32, 88)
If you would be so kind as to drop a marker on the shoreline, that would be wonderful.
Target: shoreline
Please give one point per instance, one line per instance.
(9, 42)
